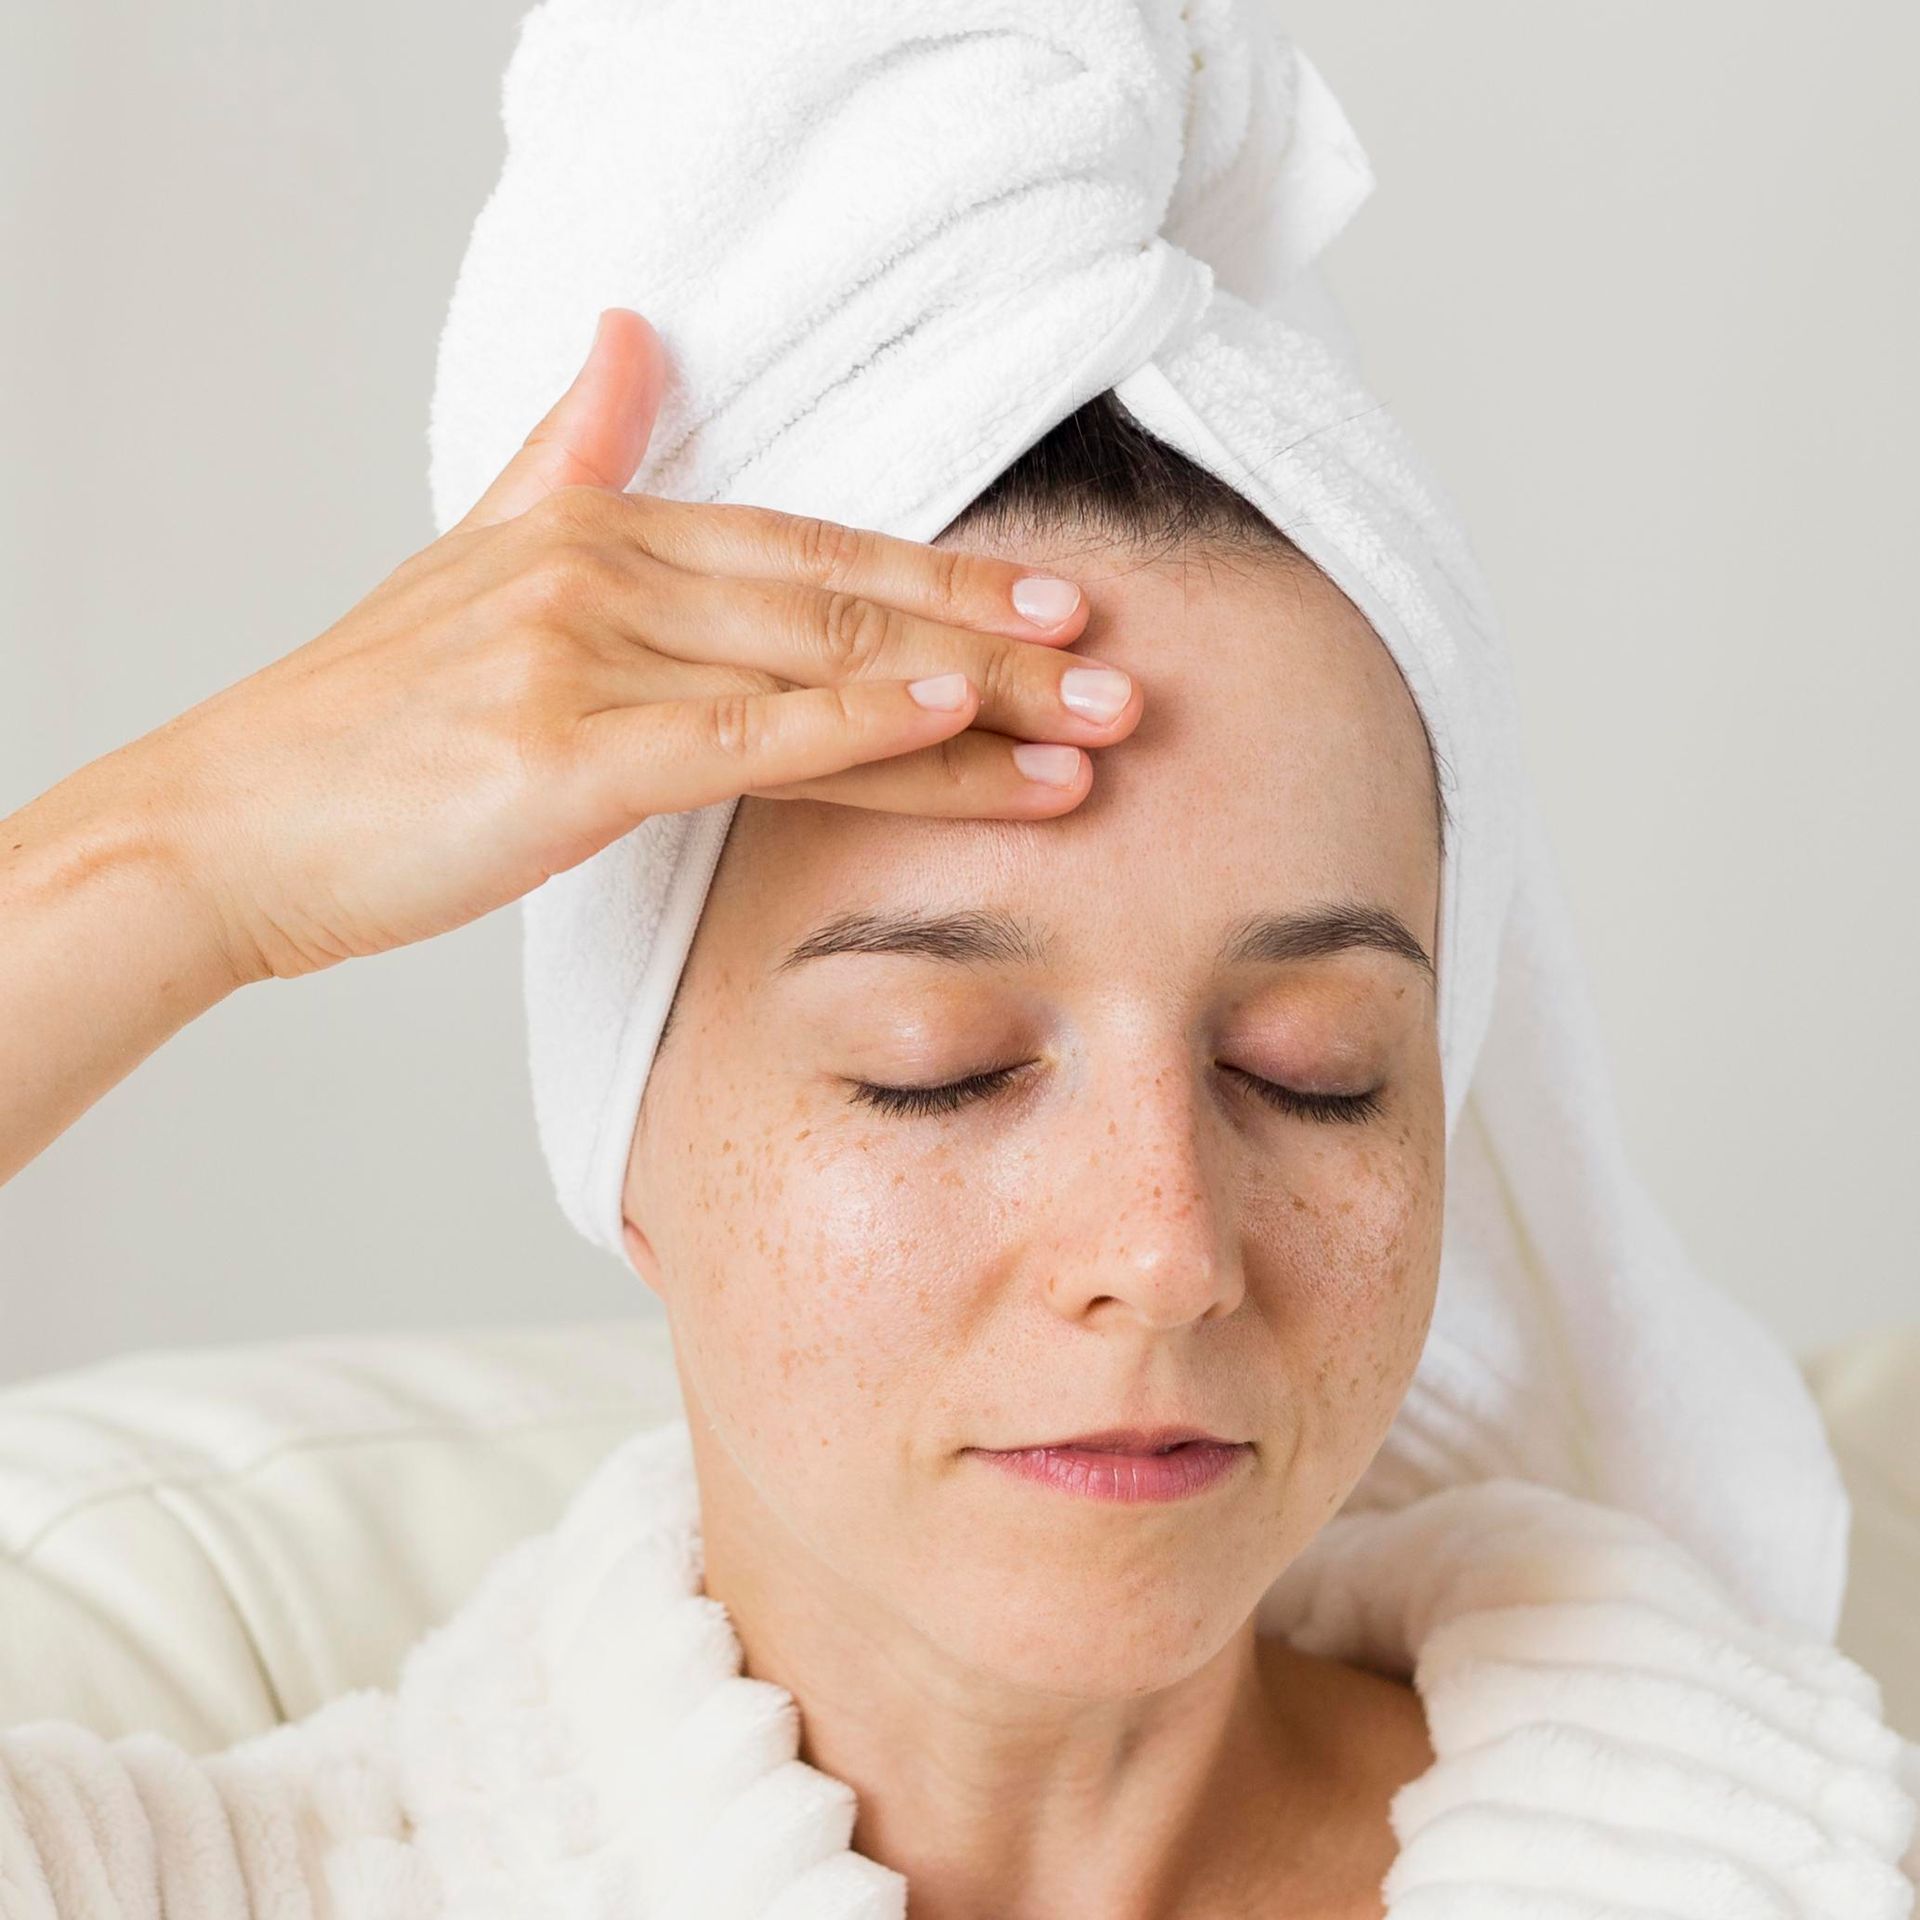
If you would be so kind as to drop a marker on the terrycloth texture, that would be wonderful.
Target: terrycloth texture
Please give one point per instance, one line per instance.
(888, 243)
(1612, 1738)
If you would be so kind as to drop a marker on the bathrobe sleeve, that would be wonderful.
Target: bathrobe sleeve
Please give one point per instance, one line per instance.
(139, 1828)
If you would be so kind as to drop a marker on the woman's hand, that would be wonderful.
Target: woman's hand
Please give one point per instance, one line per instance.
(570, 659)
(566, 661)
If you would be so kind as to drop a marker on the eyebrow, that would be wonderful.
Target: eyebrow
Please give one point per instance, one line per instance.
(990, 937)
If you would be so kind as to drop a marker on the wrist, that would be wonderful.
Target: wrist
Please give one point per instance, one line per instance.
(120, 865)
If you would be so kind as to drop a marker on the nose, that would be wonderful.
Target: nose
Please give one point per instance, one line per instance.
(1145, 1225)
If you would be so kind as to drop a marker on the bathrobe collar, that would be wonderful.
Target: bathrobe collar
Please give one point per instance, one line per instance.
(580, 1741)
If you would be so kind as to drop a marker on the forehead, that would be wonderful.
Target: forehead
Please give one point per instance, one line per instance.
(1279, 762)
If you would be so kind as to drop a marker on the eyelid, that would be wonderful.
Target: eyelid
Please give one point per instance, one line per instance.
(1349, 1108)
(949, 1096)
(946, 1097)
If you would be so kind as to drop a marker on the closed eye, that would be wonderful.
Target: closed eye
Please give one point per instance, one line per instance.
(953, 1094)
(941, 1099)
(1309, 1106)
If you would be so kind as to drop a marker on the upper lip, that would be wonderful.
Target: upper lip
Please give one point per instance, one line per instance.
(1133, 1439)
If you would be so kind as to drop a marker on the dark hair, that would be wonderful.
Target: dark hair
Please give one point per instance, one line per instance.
(1100, 473)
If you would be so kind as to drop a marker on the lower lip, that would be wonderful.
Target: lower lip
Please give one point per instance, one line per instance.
(1129, 1477)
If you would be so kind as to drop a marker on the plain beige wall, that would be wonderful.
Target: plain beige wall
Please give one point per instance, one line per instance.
(1642, 281)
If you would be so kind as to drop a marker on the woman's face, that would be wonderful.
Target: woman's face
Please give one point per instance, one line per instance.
(1125, 1231)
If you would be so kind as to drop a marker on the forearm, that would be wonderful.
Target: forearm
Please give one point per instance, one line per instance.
(106, 949)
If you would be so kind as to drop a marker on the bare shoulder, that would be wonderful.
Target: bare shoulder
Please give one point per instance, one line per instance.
(1362, 1737)
(1371, 1724)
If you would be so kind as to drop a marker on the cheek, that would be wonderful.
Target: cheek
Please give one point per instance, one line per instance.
(1346, 1251)
(810, 1271)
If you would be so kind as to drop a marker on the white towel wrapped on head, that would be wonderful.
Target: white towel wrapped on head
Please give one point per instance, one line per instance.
(888, 244)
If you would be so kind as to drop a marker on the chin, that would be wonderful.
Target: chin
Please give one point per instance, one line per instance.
(1060, 1623)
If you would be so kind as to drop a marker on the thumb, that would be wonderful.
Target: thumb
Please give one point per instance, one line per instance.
(596, 432)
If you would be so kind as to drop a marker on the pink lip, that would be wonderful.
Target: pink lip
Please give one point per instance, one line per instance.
(1101, 1472)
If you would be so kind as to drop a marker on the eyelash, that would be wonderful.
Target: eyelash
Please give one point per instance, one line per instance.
(915, 1101)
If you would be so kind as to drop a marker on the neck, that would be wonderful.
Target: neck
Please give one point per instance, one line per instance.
(997, 1798)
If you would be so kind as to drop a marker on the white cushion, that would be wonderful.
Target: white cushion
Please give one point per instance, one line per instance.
(206, 1543)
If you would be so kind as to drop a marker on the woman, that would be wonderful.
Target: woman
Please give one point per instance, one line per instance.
(1038, 1666)
(1149, 1779)
(1044, 1179)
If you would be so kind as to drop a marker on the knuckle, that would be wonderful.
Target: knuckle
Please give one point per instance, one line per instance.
(949, 577)
(953, 764)
(561, 578)
(734, 725)
(576, 509)
(826, 552)
(999, 666)
(847, 719)
(652, 521)
(854, 633)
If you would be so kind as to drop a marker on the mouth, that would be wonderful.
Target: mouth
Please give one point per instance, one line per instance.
(1127, 1465)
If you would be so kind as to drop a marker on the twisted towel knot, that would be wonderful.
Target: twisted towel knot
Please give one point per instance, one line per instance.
(848, 196)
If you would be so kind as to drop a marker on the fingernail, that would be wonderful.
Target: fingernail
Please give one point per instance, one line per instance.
(1097, 692)
(1054, 766)
(1044, 599)
(945, 690)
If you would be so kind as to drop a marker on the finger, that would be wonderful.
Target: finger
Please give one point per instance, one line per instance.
(975, 774)
(939, 583)
(669, 755)
(811, 637)
(596, 432)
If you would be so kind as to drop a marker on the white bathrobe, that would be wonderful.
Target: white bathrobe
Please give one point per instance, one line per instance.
(1612, 1739)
